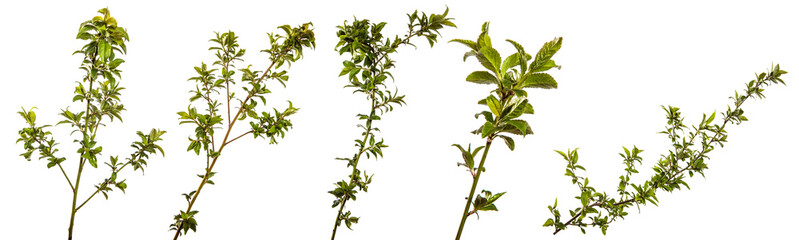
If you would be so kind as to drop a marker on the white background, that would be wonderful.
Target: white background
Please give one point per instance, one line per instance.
(621, 61)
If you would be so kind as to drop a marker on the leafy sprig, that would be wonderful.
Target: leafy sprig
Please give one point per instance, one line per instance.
(99, 90)
(219, 79)
(367, 72)
(506, 104)
(691, 147)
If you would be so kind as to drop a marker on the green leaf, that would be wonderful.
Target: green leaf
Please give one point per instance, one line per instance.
(104, 49)
(488, 128)
(549, 64)
(489, 207)
(516, 45)
(493, 198)
(512, 61)
(521, 125)
(487, 203)
(468, 158)
(549, 222)
(509, 142)
(469, 43)
(492, 56)
(92, 161)
(484, 40)
(542, 58)
(522, 58)
(29, 116)
(122, 186)
(477, 55)
(482, 77)
(585, 197)
(710, 119)
(494, 104)
(115, 63)
(486, 114)
(538, 80)
(515, 108)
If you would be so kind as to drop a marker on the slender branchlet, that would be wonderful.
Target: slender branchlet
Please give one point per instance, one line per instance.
(691, 147)
(367, 72)
(219, 79)
(99, 93)
(507, 103)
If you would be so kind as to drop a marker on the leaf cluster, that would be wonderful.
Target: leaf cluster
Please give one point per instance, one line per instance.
(106, 39)
(688, 156)
(506, 103)
(184, 222)
(37, 138)
(511, 76)
(138, 160)
(485, 202)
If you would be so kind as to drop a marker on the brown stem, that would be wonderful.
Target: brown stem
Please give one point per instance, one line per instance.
(242, 135)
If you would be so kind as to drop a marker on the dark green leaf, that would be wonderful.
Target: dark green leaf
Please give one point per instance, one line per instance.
(509, 142)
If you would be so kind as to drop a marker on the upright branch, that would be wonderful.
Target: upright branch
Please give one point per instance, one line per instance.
(212, 82)
(689, 154)
(506, 104)
(367, 71)
(98, 93)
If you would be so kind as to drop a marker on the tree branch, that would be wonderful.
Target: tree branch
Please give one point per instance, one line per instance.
(224, 142)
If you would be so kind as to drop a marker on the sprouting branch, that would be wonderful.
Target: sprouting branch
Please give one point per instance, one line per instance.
(511, 76)
(284, 49)
(367, 71)
(100, 101)
(671, 169)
